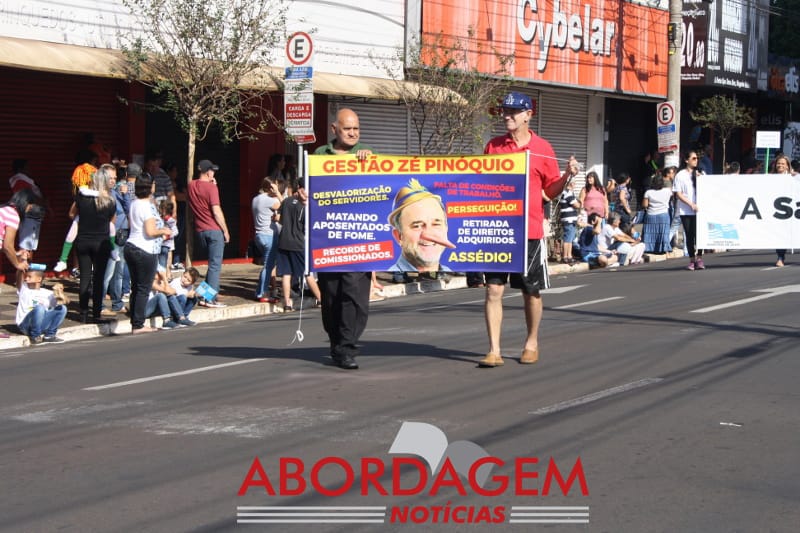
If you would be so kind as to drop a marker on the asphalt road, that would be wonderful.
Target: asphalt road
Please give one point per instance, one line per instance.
(676, 390)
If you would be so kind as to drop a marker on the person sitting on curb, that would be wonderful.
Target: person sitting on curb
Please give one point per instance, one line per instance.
(181, 296)
(629, 250)
(39, 311)
(590, 248)
(157, 304)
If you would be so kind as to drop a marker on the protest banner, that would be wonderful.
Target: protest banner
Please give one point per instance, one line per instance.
(748, 211)
(417, 213)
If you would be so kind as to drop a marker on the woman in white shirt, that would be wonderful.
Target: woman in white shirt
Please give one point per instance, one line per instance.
(142, 249)
(655, 229)
(685, 187)
(782, 165)
(265, 207)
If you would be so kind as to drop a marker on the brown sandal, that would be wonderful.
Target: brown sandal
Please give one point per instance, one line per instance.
(491, 360)
(529, 357)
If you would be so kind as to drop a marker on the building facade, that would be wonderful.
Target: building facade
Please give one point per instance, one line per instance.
(595, 68)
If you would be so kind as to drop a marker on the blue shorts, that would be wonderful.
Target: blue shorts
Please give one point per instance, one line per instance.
(291, 263)
(569, 229)
(591, 257)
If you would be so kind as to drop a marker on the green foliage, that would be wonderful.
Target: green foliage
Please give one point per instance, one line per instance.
(206, 60)
(722, 115)
(450, 100)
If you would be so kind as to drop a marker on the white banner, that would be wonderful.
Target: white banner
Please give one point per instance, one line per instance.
(748, 211)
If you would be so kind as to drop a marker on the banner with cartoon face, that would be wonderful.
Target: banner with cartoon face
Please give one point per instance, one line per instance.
(417, 213)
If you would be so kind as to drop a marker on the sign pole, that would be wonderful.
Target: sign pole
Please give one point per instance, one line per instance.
(301, 168)
(298, 94)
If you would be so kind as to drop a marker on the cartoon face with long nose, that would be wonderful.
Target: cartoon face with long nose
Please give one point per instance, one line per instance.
(420, 228)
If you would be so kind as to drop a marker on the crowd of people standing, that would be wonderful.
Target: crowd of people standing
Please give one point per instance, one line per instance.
(666, 219)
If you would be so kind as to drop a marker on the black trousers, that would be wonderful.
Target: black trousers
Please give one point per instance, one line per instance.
(689, 223)
(93, 255)
(345, 308)
(142, 266)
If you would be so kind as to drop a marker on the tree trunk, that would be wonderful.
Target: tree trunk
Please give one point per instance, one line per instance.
(724, 153)
(189, 176)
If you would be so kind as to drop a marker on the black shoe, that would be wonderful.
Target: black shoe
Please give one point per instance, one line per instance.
(347, 362)
(40, 339)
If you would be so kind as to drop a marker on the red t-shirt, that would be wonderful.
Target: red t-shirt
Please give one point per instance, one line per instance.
(203, 195)
(543, 172)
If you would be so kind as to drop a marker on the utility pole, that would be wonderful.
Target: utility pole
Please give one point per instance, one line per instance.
(674, 73)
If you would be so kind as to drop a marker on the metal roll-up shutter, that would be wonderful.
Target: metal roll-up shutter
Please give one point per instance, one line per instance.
(45, 118)
(563, 121)
(384, 125)
(627, 144)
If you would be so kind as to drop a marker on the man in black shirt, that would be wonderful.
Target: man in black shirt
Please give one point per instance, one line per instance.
(291, 262)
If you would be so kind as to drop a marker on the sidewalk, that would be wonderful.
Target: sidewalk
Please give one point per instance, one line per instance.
(237, 291)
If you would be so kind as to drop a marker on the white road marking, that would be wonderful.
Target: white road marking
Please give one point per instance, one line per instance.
(12, 354)
(770, 293)
(732, 304)
(561, 406)
(557, 290)
(562, 290)
(482, 300)
(172, 375)
(590, 302)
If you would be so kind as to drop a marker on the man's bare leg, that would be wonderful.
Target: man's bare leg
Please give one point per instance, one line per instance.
(533, 316)
(494, 322)
(286, 285)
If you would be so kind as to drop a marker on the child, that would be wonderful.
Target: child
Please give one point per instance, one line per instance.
(157, 302)
(39, 311)
(291, 246)
(184, 298)
(73, 233)
(165, 209)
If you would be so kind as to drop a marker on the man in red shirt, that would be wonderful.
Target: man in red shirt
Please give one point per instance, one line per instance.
(544, 183)
(209, 222)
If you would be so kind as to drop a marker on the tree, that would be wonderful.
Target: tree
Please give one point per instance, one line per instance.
(207, 61)
(723, 116)
(450, 101)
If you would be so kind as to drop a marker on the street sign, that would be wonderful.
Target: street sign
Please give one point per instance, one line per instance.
(298, 90)
(665, 113)
(667, 130)
(768, 139)
(299, 48)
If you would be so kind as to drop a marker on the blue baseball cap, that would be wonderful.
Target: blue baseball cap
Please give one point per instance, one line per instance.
(516, 100)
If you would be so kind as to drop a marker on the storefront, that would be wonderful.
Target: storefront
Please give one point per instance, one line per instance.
(576, 59)
(724, 52)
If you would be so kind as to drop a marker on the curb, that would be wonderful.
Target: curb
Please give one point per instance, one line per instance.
(205, 315)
